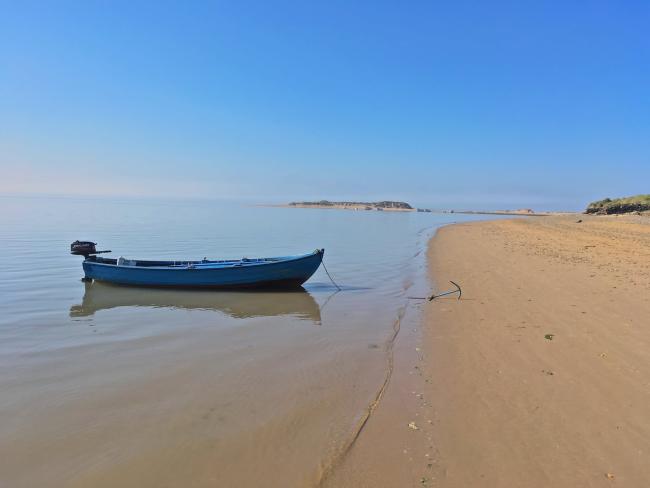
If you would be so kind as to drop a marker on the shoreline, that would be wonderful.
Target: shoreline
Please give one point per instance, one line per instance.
(394, 448)
(537, 377)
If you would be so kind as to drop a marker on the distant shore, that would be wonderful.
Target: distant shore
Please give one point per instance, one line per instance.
(373, 206)
(360, 207)
(526, 213)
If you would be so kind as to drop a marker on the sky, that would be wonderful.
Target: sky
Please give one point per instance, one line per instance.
(477, 105)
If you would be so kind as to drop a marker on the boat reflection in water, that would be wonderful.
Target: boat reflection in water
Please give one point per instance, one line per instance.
(237, 304)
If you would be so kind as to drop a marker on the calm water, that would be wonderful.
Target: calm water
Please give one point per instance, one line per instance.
(109, 386)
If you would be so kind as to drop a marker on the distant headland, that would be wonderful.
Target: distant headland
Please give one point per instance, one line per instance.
(380, 206)
(637, 204)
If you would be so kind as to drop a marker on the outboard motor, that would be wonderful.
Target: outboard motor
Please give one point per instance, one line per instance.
(84, 248)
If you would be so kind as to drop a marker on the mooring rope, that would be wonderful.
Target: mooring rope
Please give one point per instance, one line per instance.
(330, 276)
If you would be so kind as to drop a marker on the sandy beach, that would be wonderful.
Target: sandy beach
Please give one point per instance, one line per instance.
(538, 377)
(540, 374)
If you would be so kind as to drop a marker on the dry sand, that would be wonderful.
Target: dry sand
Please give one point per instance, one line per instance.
(541, 376)
(538, 377)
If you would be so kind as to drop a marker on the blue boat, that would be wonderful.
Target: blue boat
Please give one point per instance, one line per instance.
(278, 272)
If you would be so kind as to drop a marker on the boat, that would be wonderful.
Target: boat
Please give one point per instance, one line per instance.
(276, 272)
(297, 302)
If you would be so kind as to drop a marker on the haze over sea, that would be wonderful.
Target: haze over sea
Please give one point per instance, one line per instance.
(103, 384)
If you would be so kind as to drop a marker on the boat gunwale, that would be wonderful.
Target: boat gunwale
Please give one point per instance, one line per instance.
(187, 265)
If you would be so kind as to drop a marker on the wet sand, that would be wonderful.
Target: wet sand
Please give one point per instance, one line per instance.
(394, 448)
(540, 375)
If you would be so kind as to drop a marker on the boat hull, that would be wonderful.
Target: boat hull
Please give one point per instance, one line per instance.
(290, 272)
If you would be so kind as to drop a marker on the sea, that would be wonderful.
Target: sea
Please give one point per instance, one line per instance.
(102, 385)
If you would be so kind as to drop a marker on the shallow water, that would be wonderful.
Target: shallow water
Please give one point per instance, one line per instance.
(108, 386)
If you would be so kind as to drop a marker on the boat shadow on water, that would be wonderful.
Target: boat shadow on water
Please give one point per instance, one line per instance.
(297, 303)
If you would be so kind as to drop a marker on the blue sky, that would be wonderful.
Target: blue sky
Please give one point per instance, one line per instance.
(461, 104)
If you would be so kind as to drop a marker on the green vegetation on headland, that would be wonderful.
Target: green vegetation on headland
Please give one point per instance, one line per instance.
(366, 205)
(638, 203)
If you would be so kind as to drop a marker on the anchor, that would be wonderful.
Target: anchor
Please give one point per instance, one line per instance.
(457, 290)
